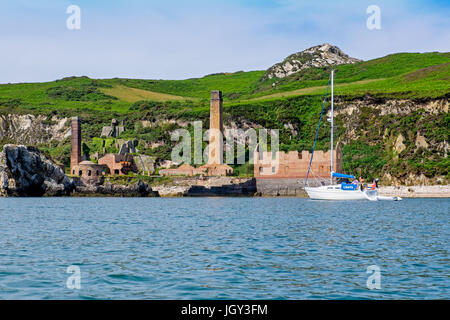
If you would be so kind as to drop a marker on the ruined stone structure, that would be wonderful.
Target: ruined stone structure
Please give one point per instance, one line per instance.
(215, 165)
(295, 165)
(125, 146)
(90, 172)
(87, 170)
(205, 170)
(183, 170)
(114, 130)
(119, 164)
(217, 169)
(144, 164)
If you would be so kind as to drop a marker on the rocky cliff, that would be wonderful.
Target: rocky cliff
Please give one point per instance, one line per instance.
(25, 171)
(29, 129)
(318, 56)
(405, 141)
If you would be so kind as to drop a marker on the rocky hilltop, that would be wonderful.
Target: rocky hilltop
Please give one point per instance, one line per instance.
(318, 56)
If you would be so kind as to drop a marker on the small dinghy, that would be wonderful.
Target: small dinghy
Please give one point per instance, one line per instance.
(389, 198)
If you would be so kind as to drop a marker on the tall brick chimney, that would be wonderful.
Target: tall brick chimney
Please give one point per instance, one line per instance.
(75, 153)
(215, 155)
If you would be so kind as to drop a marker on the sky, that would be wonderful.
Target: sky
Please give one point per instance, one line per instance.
(179, 39)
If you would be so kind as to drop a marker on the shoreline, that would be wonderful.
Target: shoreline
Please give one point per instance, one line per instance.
(436, 191)
(410, 192)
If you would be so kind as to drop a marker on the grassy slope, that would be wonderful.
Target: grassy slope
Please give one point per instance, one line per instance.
(230, 83)
(128, 94)
(389, 67)
(404, 75)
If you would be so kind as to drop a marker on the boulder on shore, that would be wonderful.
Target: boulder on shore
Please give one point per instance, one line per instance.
(138, 189)
(26, 171)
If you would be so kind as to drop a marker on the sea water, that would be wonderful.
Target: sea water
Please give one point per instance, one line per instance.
(223, 248)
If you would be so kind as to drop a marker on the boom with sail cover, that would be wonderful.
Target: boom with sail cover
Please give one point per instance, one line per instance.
(342, 175)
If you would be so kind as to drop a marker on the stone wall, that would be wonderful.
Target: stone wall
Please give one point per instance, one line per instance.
(207, 186)
(281, 187)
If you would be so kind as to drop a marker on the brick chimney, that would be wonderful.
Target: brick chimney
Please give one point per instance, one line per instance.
(75, 153)
(216, 128)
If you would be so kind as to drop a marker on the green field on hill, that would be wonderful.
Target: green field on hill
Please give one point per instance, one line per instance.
(403, 75)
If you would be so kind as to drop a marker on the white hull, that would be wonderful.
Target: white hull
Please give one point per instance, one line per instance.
(335, 192)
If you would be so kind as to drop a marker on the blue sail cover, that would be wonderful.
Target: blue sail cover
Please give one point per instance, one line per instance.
(341, 175)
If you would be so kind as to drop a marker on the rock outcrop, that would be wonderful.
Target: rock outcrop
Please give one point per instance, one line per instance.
(29, 129)
(207, 187)
(25, 171)
(319, 56)
(138, 189)
(401, 128)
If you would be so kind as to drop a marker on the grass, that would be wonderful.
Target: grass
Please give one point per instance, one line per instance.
(233, 85)
(133, 94)
(387, 67)
(307, 91)
(403, 75)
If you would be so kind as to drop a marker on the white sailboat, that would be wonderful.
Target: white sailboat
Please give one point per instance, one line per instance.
(341, 191)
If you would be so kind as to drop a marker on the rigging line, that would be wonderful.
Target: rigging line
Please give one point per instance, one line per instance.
(317, 131)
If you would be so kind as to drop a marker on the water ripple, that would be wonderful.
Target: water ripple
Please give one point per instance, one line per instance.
(223, 248)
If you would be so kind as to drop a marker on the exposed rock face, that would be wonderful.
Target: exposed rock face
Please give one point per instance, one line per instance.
(405, 141)
(399, 146)
(30, 130)
(138, 189)
(389, 106)
(319, 56)
(25, 171)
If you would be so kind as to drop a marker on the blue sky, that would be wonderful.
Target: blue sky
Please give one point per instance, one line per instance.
(176, 39)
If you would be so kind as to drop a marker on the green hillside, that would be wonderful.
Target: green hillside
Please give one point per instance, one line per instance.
(294, 100)
(403, 75)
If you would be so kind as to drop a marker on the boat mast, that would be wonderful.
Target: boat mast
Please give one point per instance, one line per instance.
(332, 123)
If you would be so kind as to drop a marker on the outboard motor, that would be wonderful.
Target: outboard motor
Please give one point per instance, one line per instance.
(376, 182)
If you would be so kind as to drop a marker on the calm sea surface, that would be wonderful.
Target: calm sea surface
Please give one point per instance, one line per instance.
(223, 248)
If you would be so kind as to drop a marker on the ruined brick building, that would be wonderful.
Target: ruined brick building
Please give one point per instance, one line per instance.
(119, 164)
(215, 165)
(294, 164)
